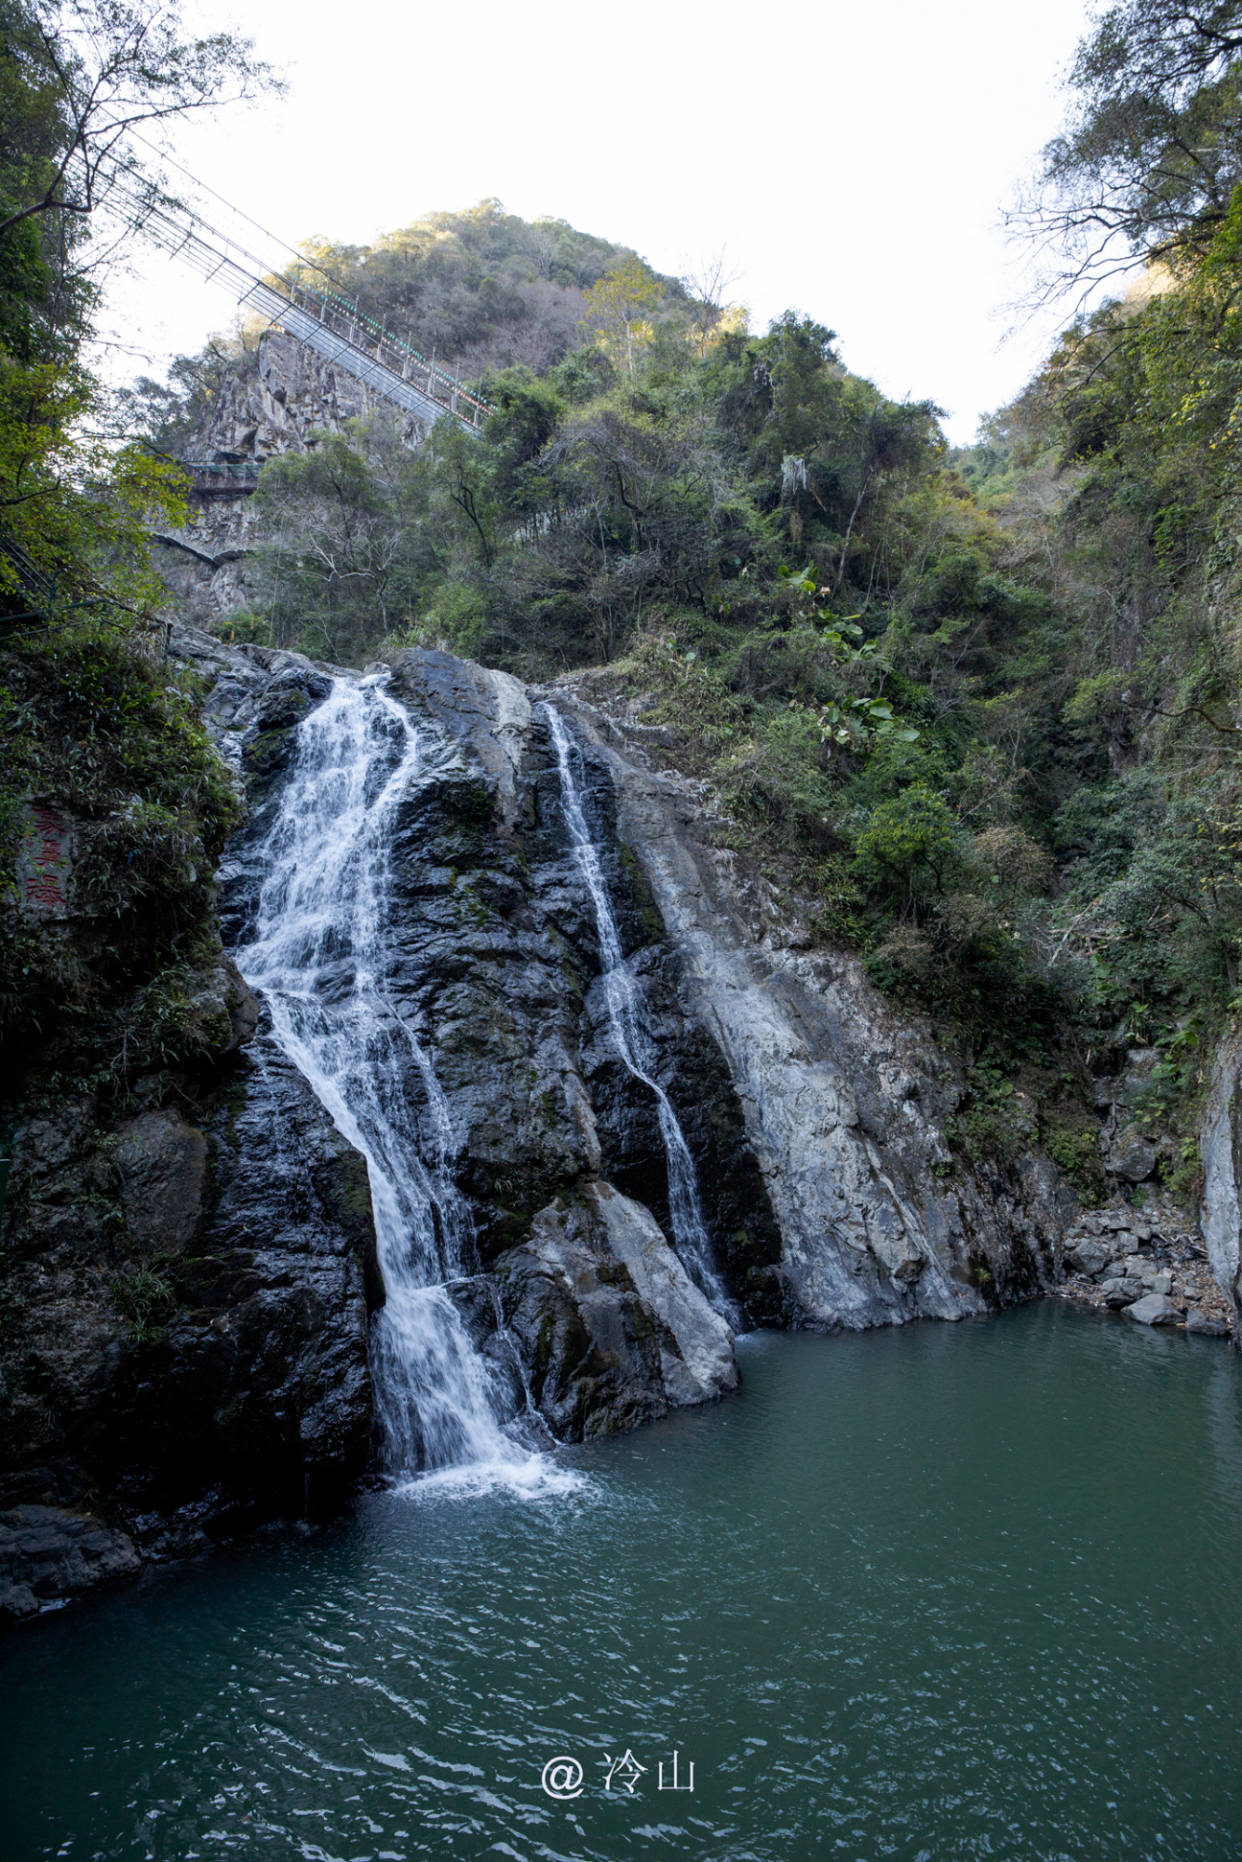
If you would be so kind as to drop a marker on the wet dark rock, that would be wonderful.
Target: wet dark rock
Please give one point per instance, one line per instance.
(161, 1165)
(187, 1307)
(191, 1274)
(49, 1553)
(814, 1118)
(499, 977)
(610, 1326)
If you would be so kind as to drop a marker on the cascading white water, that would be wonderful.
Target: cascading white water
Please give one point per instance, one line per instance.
(319, 956)
(690, 1237)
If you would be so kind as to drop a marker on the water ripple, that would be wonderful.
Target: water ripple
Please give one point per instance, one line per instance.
(951, 1593)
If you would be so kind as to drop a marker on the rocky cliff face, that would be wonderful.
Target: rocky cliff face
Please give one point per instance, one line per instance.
(279, 404)
(495, 972)
(193, 1278)
(1221, 1149)
(815, 1119)
(844, 1107)
(185, 1282)
(290, 394)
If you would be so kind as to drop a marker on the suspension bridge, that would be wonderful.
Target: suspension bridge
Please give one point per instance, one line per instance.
(328, 322)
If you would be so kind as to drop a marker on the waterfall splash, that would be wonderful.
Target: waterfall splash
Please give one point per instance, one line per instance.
(319, 955)
(690, 1237)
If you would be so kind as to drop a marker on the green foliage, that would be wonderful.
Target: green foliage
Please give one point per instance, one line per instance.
(104, 735)
(145, 1300)
(1150, 154)
(979, 714)
(96, 726)
(909, 843)
(75, 508)
(988, 1126)
(1118, 464)
(619, 308)
(25, 287)
(853, 712)
(73, 74)
(1076, 1149)
(486, 290)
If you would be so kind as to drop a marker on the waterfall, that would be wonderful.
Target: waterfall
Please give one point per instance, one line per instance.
(690, 1237)
(319, 954)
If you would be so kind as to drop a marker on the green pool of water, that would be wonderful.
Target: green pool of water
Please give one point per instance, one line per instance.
(945, 1592)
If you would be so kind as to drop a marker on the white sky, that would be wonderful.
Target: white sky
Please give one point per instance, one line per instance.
(851, 159)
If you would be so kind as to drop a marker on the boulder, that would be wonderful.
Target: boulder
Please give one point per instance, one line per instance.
(1088, 1255)
(1205, 1323)
(1154, 1309)
(48, 1553)
(1132, 1157)
(610, 1328)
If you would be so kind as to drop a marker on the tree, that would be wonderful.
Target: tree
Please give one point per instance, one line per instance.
(1145, 169)
(73, 513)
(708, 316)
(78, 78)
(619, 308)
(909, 843)
(335, 557)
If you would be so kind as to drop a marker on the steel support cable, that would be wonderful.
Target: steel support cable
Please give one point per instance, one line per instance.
(206, 260)
(301, 257)
(219, 257)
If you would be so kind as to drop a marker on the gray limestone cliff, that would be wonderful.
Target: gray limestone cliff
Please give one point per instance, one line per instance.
(288, 394)
(844, 1105)
(279, 400)
(1221, 1149)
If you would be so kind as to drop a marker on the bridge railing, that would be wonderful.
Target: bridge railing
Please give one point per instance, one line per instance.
(334, 326)
(348, 320)
(222, 478)
(244, 470)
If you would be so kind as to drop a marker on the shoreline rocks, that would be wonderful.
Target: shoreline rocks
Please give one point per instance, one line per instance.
(50, 1553)
(1147, 1265)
